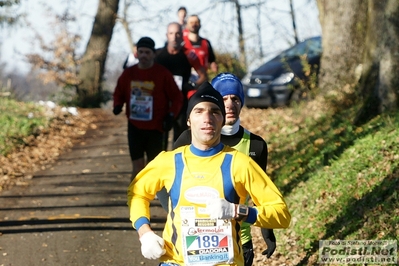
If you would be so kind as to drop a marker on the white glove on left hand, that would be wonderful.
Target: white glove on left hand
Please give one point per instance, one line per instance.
(152, 246)
(220, 209)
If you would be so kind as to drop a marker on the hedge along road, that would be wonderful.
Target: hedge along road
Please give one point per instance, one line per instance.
(75, 212)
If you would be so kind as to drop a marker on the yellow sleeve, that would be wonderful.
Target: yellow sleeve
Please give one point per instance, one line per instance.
(147, 183)
(271, 207)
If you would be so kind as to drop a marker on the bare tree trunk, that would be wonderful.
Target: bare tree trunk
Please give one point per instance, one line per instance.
(125, 24)
(129, 36)
(241, 42)
(258, 28)
(344, 27)
(360, 52)
(379, 84)
(293, 23)
(93, 63)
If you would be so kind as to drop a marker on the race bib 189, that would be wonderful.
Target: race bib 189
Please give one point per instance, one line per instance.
(207, 241)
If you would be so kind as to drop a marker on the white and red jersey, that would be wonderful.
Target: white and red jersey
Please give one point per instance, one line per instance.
(202, 49)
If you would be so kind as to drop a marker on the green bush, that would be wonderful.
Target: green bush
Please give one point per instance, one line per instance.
(18, 120)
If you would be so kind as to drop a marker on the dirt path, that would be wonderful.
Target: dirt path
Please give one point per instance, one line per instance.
(75, 212)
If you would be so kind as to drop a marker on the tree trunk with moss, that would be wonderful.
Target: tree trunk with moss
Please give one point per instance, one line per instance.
(89, 90)
(360, 57)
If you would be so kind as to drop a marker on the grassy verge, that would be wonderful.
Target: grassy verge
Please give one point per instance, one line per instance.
(340, 181)
(18, 120)
(33, 137)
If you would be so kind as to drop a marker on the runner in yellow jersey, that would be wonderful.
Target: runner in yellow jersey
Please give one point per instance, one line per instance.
(208, 183)
(237, 137)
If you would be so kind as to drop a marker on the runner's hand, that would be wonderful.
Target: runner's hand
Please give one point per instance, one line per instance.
(152, 246)
(220, 209)
(270, 240)
(167, 122)
(117, 109)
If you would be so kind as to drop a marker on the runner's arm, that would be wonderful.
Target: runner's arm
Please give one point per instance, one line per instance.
(196, 64)
(212, 58)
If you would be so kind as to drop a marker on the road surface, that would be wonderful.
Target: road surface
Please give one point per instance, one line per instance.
(75, 212)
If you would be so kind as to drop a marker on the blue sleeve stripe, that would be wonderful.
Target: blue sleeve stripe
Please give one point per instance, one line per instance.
(140, 221)
(174, 192)
(230, 193)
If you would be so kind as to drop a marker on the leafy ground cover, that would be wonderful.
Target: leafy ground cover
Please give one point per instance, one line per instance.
(340, 181)
(33, 136)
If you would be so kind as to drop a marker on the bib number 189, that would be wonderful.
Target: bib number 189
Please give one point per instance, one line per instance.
(208, 241)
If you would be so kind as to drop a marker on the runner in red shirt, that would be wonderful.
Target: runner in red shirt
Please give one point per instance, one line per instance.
(199, 45)
(152, 100)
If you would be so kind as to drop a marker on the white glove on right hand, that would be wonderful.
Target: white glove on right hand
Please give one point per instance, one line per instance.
(220, 209)
(152, 246)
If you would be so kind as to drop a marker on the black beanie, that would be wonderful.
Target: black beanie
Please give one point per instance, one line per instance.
(146, 42)
(206, 93)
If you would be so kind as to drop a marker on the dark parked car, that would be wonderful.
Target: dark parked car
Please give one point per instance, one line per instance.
(276, 82)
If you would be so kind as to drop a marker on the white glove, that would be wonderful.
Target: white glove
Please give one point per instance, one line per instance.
(220, 209)
(152, 246)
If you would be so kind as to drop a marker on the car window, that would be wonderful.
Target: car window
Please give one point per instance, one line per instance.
(314, 47)
(311, 47)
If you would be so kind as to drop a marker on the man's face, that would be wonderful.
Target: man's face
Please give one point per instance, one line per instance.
(146, 57)
(174, 36)
(206, 122)
(193, 24)
(232, 105)
(181, 14)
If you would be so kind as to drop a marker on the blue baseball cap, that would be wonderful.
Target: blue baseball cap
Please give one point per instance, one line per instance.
(227, 83)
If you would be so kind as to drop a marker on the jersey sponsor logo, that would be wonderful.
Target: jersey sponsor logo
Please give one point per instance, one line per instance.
(252, 153)
(187, 209)
(210, 230)
(147, 87)
(208, 251)
(205, 222)
(201, 194)
(219, 257)
(213, 250)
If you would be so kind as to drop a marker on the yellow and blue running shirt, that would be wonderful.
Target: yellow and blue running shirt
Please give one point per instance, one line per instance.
(245, 142)
(192, 177)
